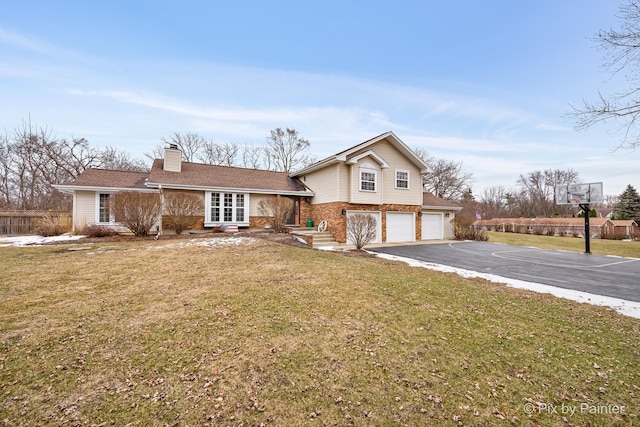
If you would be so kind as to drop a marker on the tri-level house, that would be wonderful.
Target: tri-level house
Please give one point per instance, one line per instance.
(381, 176)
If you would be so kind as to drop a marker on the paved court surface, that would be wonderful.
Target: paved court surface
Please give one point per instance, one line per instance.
(601, 275)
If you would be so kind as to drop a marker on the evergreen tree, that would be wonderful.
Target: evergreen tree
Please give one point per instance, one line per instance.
(628, 206)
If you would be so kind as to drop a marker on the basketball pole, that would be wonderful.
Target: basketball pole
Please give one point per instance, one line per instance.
(587, 232)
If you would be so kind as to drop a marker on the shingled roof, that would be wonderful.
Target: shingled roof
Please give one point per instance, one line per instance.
(430, 200)
(197, 175)
(105, 178)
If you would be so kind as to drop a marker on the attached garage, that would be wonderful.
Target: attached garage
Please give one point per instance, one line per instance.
(378, 217)
(401, 227)
(432, 226)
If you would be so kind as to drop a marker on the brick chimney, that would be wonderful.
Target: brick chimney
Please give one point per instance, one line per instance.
(172, 159)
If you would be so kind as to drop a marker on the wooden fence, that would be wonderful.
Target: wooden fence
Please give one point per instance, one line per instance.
(26, 222)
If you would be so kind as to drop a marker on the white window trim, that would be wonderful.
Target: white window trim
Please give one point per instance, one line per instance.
(112, 220)
(375, 180)
(207, 214)
(408, 181)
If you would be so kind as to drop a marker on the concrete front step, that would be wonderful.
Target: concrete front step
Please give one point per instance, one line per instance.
(319, 238)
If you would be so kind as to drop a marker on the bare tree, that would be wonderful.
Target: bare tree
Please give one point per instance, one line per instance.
(136, 210)
(493, 202)
(446, 178)
(554, 178)
(277, 210)
(611, 200)
(189, 143)
(286, 149)
(183, 209)
(255, 157)
(112, 158)
(6, 187)
(361, 229)
(622, 49)
(537, 192)
(71, 157)
(219, 154)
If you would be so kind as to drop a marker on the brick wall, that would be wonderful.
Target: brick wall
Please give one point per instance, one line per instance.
(337, 223)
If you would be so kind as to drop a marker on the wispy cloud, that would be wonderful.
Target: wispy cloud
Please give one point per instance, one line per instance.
(228, 113)
(23, 42)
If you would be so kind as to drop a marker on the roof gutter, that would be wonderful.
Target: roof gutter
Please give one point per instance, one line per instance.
(447, 208)
(304, 193)
(70, 189)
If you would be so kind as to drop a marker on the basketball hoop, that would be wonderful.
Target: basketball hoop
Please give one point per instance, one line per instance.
(581, 196)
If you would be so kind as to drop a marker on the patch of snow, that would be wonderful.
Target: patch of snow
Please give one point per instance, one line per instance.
(299, 239)
(208, 243)
(625, 307)
(35, 240)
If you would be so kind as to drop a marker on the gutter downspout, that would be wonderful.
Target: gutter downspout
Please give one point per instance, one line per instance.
(161, 208)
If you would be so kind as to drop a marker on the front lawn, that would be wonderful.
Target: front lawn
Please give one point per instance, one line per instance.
(250, 332)
(573, 244)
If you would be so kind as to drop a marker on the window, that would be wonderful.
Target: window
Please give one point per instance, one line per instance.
(215, 207)
(104, 208)
(402, 179)
(226, 208)
(239, 207)
(367, 181)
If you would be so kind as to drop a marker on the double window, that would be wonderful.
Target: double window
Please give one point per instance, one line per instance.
(227, 208)
(367, 180)
(402, 179)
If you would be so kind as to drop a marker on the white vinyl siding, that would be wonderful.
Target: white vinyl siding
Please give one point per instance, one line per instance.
(84, 209)
(388, 183)
(387, 191)
(366, 183)
(226, 208)
(325, 183)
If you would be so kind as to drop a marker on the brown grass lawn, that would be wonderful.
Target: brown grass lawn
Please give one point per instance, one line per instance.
(573, 244)
(141, 333)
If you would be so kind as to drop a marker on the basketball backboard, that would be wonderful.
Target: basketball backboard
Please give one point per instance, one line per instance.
(577, 194)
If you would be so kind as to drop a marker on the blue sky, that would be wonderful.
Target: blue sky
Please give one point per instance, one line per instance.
(487, 83)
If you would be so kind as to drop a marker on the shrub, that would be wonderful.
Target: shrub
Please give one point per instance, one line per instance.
(136, 210)
(361, 229)
(97, 231)
(465, 232)
(183, 209)
(53, 224)
(276, 210)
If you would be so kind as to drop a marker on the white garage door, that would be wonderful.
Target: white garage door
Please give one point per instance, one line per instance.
(377, 216)
(401, 227)
(432, 226)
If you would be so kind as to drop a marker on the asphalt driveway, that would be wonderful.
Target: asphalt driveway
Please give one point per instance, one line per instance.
(601, 275)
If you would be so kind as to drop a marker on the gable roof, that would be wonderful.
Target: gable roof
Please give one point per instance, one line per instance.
(106, 180)
(343, 155)
(431, 201)
(210, 177)
(623, 222)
